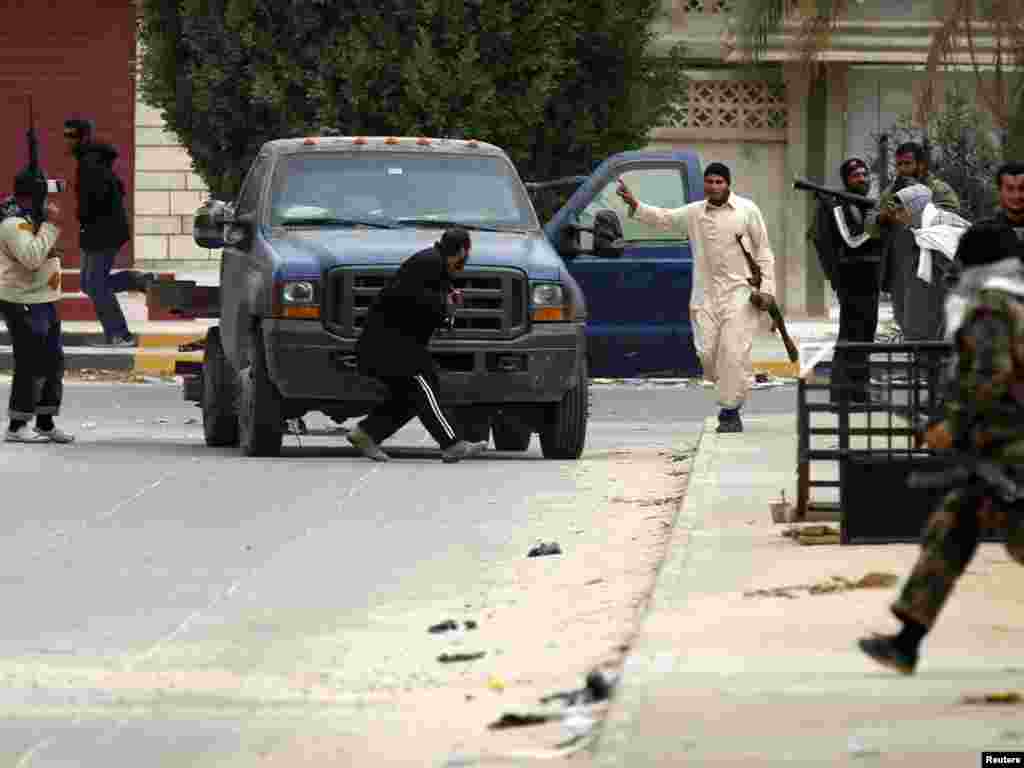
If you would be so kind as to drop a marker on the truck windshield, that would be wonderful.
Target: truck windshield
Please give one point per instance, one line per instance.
(336, 189)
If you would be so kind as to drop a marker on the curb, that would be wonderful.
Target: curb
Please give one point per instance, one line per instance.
(780, 368)
(156, 354)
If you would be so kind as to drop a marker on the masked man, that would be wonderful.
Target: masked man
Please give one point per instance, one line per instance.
(29, 292)
(724, 317)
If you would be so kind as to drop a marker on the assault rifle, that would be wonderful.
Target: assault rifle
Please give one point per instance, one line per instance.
(986, 477)
(39, 186)
(839, 194)
(769, 306)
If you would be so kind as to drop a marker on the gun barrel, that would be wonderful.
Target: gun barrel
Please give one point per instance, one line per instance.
(841, 194)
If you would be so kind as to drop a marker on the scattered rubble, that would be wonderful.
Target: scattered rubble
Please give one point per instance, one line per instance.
(873, 580)
(517, 720)
(657, 502)
(544, 549)
(812, 534)
(1002, 697)
(450, 625)
(454, 658)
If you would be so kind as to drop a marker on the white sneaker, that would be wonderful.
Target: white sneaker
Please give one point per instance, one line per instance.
(462, 450)
(55, 435)
(24, 435)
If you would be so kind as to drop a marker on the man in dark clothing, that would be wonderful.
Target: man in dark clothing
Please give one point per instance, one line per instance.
(393, 348)
(850, 258)
(1000, 236)
(103, 223)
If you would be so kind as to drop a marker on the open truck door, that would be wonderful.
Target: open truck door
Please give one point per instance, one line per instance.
(638, 284)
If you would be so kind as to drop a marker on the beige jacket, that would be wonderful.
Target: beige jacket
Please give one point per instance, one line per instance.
(28, 273)
(720, 269)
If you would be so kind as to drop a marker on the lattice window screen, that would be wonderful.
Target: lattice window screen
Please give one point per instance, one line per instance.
(707, 6)
(734, 104)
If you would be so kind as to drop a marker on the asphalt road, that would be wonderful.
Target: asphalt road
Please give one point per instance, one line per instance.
(162, 598)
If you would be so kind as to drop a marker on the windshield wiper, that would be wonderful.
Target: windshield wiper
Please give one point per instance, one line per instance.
(326, 221)
(445, 224)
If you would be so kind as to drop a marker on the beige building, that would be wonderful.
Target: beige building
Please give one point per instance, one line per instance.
(768, 123)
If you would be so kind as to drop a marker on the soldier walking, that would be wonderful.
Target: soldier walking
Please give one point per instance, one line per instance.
(984, 419)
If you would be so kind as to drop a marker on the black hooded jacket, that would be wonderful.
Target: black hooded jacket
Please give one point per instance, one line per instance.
(101, 207)
(403, 318)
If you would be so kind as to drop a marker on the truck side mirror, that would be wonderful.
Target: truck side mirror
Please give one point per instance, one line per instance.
(239, 229)
(569, 242)
(608, 243)
(208, 225)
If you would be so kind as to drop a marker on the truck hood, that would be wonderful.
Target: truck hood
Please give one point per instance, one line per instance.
(311, 252)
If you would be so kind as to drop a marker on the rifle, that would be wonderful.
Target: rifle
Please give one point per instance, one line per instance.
(839, 194)
(986, 477)
(771, 307)
(40, 187)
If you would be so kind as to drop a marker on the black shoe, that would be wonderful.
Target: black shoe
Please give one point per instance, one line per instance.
(730, 425)
(884, 650)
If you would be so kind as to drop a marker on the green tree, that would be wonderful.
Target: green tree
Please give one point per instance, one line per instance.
(557, 84)
(999, 72)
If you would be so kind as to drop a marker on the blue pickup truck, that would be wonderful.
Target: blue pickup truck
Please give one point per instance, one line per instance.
(319, 226)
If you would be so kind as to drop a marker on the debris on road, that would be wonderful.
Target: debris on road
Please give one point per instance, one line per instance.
(813, 534)
(191, 420)
(450, 625)
(598, 687)
(544, 549)
(454, 658)
(872, 580)
(520, 720)
(496, 684)
(657, 502)
(1003, 697)
(89, 425)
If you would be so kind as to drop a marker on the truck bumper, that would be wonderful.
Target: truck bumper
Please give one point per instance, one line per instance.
(308, 363)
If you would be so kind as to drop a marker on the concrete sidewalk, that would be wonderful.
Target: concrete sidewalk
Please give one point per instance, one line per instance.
(716, 677)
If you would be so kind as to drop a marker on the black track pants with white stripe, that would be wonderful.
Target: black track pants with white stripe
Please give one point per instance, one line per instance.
(410, 396)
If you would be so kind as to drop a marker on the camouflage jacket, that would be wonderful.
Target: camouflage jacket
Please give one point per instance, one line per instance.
(985, 405)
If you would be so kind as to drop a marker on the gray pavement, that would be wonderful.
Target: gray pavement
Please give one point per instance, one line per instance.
(717, 677)
(167, 604)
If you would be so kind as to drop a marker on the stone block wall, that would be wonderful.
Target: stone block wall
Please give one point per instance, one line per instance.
(167, 193)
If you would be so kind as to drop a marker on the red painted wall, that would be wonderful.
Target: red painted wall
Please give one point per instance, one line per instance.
(75, 58)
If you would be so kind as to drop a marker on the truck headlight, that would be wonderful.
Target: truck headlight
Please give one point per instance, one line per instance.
(548, 301)
(299, 300)
(300, 292)
(548, 295)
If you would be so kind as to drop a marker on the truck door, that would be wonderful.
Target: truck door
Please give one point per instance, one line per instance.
(235, 265)
(638, 301)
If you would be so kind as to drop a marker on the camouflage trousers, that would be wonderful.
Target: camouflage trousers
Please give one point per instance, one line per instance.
(949, 542)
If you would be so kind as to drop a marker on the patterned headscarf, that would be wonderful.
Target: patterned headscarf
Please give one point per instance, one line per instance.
(914, 199)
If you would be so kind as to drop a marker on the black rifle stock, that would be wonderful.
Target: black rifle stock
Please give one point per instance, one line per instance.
(769, 306)
(839, 194)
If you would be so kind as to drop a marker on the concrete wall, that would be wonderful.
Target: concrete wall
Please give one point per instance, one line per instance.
(167, 193)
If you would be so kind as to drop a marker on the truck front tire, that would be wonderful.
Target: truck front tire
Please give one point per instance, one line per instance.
(261, 413)
(564, 431)
(220, 417)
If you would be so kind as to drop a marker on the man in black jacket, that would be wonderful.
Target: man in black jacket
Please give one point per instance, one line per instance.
(393, 348)
(103, 223)
(1000, 236)
(850, 258)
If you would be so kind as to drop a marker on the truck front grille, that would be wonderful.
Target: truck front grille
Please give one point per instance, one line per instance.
(494, 304)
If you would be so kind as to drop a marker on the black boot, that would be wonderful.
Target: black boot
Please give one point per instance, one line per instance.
(892, 651)
(729, 420)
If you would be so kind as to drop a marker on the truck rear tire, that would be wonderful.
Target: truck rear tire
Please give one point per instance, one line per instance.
(564, 431)
(261, 413)
(220, 416)
(510, 435)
